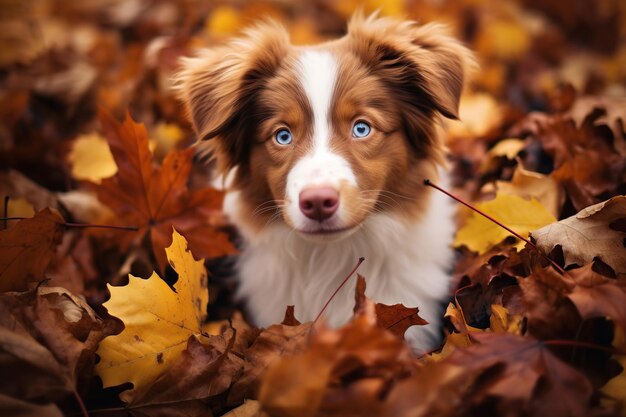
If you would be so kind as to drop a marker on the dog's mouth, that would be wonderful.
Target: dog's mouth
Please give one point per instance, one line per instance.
(322, 231)
(325, 234)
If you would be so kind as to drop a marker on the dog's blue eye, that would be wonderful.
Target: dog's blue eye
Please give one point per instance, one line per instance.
(361, 130)
(283, 137)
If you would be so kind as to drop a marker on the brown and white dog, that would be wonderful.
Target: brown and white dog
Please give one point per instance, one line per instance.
(325, 149)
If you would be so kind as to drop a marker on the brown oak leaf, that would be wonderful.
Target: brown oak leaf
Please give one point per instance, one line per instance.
(503, 374)
(48, 339)
(585, 163)
(597, 231)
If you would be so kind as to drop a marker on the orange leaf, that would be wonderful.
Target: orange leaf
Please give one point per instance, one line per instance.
(155, 198)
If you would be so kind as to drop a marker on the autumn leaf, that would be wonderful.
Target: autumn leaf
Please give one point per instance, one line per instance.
(201, 372)
(158, 321)
(91, 158)
(528, 184)
(335, 369)
(598, 231)
(479, 234)
(501, 369)
(27, 248)
(157, 198)
(613, 116)
(396, 318)
(47, 342)
(595, 295)
(585, 164)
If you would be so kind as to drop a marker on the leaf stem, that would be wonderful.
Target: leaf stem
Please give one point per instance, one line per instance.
(81, 404)
(79, 225)
(429, 183)
(102, 226)
(361, 259)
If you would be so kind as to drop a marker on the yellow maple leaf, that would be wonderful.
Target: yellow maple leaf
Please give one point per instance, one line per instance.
(91, 158)
(480, 234)
(157, 322)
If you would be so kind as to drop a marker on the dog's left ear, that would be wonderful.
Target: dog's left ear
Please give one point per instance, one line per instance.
(419, 58)
(424, 68)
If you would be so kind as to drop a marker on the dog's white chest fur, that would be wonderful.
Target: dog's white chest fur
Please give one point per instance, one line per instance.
(404, 263)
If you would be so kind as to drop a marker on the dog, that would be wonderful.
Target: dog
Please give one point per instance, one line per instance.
(325, 149)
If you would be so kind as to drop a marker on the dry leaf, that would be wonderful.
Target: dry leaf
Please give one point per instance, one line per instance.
(595, 232)
(480, 234)
(47, 343)
(155, 199)
(27, 248)
(157, 322)
(529, 184)
(91, 158)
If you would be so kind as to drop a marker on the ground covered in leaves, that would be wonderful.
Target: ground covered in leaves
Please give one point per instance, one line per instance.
(110, 225)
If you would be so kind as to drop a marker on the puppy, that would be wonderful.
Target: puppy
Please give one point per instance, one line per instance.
(325, 149)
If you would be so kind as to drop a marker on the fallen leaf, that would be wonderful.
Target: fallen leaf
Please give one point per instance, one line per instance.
(585, 163)
(507, 148)
(341, 371)
(158, 321)
(480, 234)
(91, 158)
(595, 295)
(396, 318)
(501, 321)
(613, 116)
(527, 364)
(261, 349)
(27, 248)
(529, 185)
(550, 314)
(47, 343)
(479, 114)
(25, 196)
(156, 198)
(597, 231)
(203, 370)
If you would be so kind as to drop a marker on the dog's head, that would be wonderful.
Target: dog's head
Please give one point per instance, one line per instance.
(331, 133)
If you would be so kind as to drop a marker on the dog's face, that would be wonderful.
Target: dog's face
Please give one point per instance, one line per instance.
(324, 136)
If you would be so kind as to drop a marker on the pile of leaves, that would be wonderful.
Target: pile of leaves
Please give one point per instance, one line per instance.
(113, 243)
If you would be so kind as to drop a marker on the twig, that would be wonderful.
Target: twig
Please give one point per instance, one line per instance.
(81, 404)
(361, 259)
(427, 182)
(79, 225)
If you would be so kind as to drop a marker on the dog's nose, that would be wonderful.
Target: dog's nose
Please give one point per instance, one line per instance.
(319, 203)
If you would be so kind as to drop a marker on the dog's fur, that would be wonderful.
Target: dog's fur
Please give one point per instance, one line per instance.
(398, 77)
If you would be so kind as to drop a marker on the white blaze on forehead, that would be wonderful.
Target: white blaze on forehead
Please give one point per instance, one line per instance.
(318, 74)
(320, 166)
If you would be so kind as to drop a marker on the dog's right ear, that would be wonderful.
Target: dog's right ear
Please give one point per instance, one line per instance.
(220, 89)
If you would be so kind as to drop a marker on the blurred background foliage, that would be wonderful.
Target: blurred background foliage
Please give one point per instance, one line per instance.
(61, 59)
